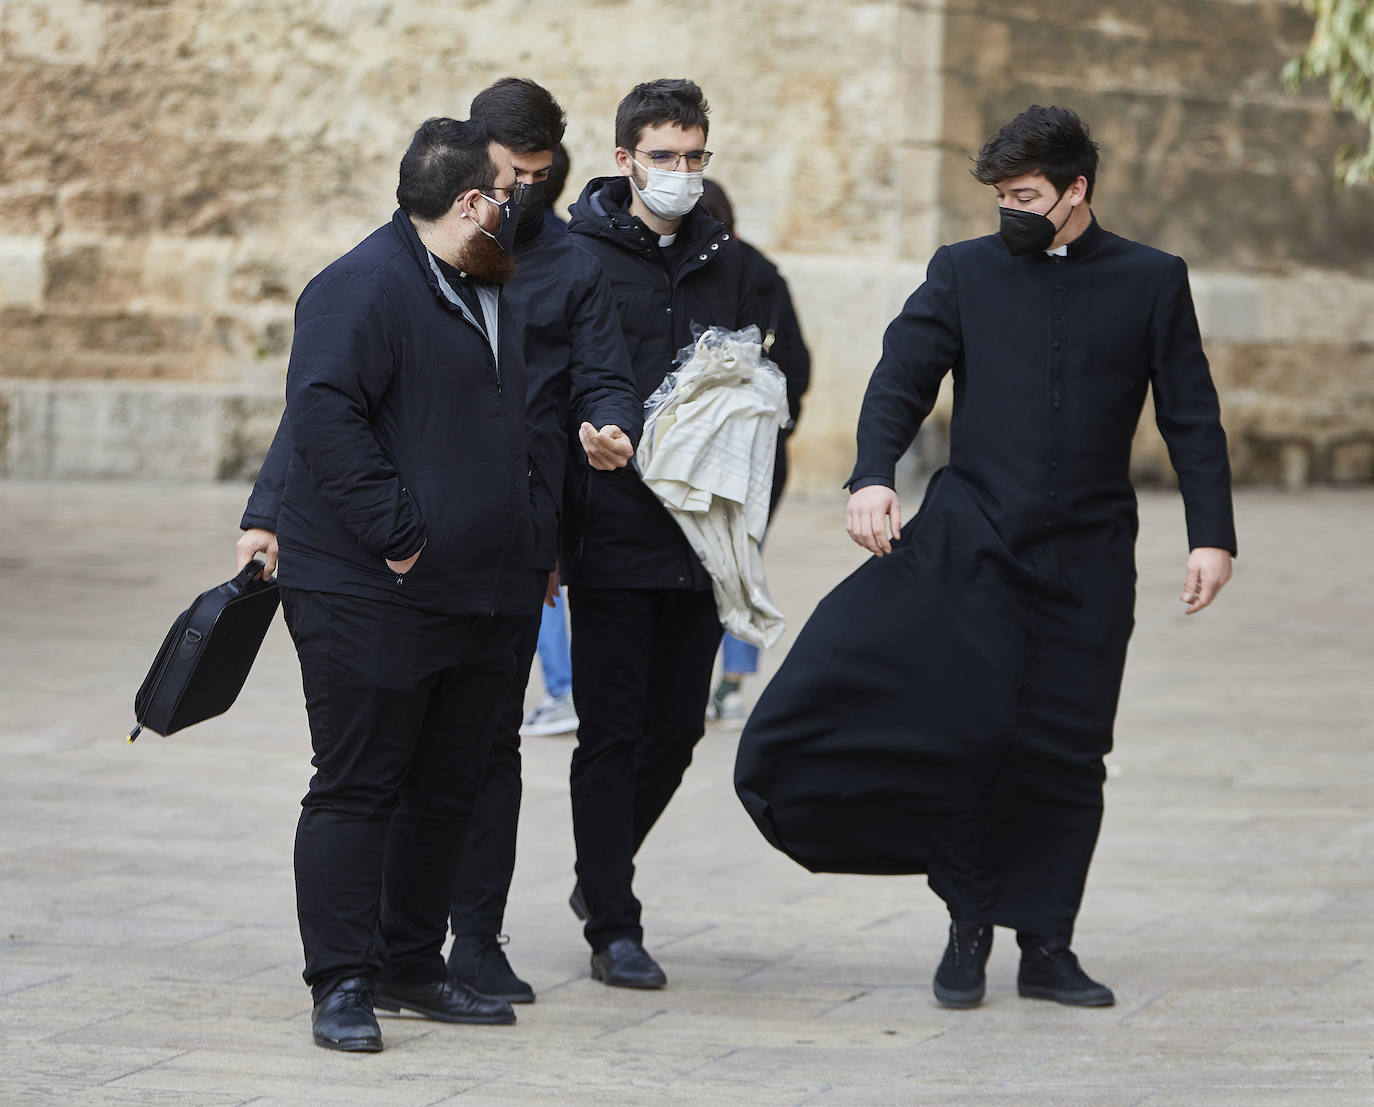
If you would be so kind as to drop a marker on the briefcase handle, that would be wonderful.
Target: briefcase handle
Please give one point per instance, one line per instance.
(245, 582)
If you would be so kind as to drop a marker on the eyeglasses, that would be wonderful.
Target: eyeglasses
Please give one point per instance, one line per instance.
(668, 159)
(515, 193)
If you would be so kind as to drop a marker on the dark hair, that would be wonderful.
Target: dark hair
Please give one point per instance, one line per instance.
(520, 115)
(669, 100)
(1050, 141)
(558, 175)
(714, 200)
(445, 159)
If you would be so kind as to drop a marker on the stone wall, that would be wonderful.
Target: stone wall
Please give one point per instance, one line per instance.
(171, 174)
(1206, 156)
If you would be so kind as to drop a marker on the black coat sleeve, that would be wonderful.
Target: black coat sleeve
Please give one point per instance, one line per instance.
(603, 387)
(264, 502)
(1189, 415)
(343, 361)
(920, 346)
(788, 350)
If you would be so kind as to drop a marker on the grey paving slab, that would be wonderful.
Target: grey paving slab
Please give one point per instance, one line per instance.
(148, 951)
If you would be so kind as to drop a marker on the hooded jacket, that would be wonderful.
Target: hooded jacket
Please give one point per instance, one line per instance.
(616, 534)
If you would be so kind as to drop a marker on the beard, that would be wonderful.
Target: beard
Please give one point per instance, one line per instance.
(483, 260)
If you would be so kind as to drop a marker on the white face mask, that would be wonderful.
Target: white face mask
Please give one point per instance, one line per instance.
(667, 194)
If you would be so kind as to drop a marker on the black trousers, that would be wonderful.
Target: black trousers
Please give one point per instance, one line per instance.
(641, 664)
(401, 705)
(483, 882)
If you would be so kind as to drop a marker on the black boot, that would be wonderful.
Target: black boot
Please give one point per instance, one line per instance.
(960, 981)
(343, 1018)
(1053, 972)
(478, 961)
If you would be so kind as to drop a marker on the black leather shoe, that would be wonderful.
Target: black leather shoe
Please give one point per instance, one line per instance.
(578, 903)
(961, 980)
(343, 1018)
(445, 1001)
(1048, 973)
(624, 964)
(479, 962)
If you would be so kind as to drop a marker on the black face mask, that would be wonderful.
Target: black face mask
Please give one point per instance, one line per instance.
(1025, 232)
(530, 211)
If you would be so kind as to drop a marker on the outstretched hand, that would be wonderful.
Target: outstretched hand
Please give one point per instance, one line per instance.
(1209, 568)
(869, 515)
(607, 448)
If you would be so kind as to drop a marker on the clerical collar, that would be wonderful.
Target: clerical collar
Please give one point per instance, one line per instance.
(666, 240)
(451, 273)
(1059, 251)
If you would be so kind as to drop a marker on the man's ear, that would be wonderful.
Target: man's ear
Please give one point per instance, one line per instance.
(463, 203)
(624, 162)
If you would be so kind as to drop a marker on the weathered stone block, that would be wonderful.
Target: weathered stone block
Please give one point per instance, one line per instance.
(183, 274)
(93, 273)
(58, 32)
(21, 270)
(88, 430)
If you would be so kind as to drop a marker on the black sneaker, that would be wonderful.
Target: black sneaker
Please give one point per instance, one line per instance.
(1048, 973)
(961, 980)
(478, 961)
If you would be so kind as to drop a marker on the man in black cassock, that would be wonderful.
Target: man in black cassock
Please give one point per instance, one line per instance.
(947, 707)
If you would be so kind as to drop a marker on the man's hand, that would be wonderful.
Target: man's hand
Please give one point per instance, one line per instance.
(607, 448)
(256, 541)
(869, 514)
(1209, 568)
(402, 567)
(551, 592)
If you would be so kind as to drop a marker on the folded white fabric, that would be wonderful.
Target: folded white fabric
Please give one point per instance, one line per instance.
(710, 436)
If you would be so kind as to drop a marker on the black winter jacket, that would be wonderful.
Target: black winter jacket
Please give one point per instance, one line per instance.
(616, 534)
(405, 431)
(577, 365)
(782, 338)
(576, 369)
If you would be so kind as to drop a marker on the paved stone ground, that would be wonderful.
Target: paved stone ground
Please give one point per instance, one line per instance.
(148, 951)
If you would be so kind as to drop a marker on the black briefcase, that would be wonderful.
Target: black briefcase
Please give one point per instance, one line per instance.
(205, 657)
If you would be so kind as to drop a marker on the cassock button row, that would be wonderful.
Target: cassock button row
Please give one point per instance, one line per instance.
(1056, 346)
(1054, 495)
(1054, 465)
(1059, 288)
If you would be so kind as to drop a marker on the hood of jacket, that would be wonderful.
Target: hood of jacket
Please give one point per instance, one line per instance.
(603, 211)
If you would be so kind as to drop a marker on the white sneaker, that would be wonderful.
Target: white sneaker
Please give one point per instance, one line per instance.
(730, 708)
(556, 715)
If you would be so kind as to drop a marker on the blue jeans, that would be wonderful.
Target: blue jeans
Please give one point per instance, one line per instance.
(553, 650)
(737, 656)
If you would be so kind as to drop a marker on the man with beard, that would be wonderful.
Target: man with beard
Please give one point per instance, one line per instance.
(632, 576)
(577, 377)
(405, 506)
(947, 708)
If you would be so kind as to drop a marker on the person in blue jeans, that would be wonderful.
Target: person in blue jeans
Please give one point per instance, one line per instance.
(783, 343)
(556, 715)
